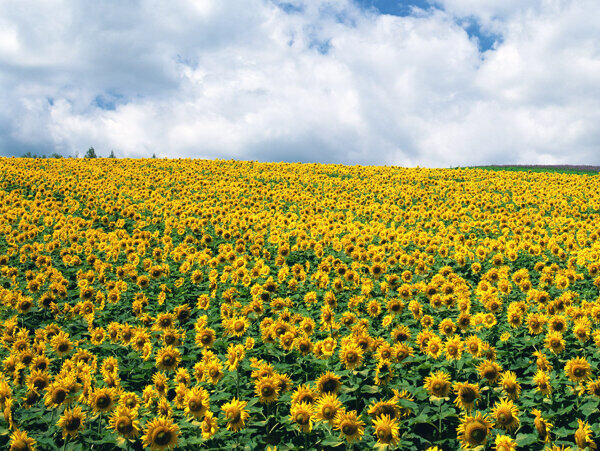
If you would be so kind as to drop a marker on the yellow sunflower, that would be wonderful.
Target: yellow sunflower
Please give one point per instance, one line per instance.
(160, 434)
(235, 414)
(351, 427)
(473, 431)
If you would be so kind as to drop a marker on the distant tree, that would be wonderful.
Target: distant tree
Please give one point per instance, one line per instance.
(91, 153)
(153, 155)
(56, 155)
(27, 155)
(112, 154)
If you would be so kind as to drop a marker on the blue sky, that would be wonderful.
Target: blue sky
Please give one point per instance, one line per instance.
(402, 8)
(429, 83)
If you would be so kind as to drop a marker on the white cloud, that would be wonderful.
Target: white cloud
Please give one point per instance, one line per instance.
(323, 81)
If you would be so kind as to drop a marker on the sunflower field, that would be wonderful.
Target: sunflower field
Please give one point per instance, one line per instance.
(160, 304)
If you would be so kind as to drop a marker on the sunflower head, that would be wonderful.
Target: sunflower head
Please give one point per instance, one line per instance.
(71, 421)
(327, 407)
(386, 430)
(578, 369)
(328, 383)
(301, 414)
(20, 441)
(161, 434)
(473, 431)
(351, 427)
(466, 395)
(505, 414)
(196, 402)
(235, 414)
(438, 384)
(124, 422)
(267, 389)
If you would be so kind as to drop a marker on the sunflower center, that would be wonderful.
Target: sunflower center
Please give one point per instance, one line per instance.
(234, 417)
(168, 360)
(579, 372)
(103, 401)
(302, 418)
(329, 385)
(478, 434)
(239, 326)
(384, 434)
(124, 426)
(349, 429)
(468, 395)
(504, 418)
(162, 437)
(19, 445)
(267, 391)
(72, 424)
(351, 357)
(59, 396)
(195, 405)
(63, 347)
(328, 412)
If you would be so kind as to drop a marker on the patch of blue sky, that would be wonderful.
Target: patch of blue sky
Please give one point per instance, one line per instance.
(108, 100)
(485, 40)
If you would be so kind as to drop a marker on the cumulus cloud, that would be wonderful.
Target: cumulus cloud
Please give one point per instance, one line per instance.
(304, 80)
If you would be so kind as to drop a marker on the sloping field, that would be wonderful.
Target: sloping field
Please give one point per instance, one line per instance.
(223, 304)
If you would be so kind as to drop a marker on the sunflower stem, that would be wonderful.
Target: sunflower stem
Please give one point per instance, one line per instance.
(65, 441)
(305, 441)
(237, 382)
(440, 421)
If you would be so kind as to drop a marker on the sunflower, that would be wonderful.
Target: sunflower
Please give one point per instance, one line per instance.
(327, 407)
(351, 355)
(489, 371)
(593, 388)
(103, 399)
(38, 380)
(129, 400)
(214, 371)
(168, 358)
(196, 402)
(351, 427)
(235, 414)
(510, 385)
(542, 426)
(301, 413)
(61, 343)
(161, 434)
(386, 430)
(438, 384)
(71, 421)
(328, 382)
(473, 431)
(209, 425)
(578, 369)
(505, 443)
(304, 394)
(505, 414)
(20, 441)
(57, 393)
(267, 390)
(453, 348)
(555, 342)
(124, 422)
(542, 382)
(467, 395)
(583, 436)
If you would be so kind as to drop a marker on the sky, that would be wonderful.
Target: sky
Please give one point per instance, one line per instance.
(431, 83)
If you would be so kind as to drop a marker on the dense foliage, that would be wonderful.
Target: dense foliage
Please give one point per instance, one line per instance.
(184, 303)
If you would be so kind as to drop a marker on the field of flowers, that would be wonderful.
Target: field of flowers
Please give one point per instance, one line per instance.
(222, 304)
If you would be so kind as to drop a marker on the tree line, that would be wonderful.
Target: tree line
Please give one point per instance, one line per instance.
(91, 153)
